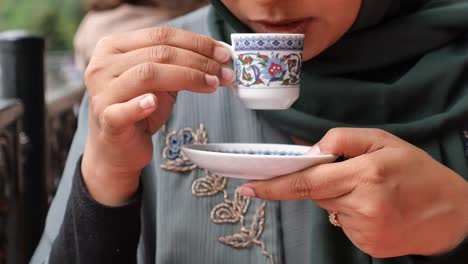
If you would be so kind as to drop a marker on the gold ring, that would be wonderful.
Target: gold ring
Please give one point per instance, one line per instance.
(333, 218)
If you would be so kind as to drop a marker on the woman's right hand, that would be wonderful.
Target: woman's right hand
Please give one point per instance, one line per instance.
(132, 82)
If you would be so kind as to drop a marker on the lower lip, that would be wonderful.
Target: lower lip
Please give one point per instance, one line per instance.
(298, 27)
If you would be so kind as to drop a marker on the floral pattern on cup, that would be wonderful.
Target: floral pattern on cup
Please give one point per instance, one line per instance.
(258, 69)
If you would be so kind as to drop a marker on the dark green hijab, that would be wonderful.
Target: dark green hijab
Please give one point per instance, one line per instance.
(403, 67)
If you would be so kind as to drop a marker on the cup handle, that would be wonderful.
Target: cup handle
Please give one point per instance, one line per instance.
(230, 48)
(233, 57)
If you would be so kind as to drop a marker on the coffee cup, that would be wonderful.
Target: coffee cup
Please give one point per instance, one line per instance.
(267, 69)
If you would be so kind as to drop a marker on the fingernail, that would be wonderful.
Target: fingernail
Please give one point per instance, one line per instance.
(247, 191)
(314, 150)
(227, 74)
(147, 102)
(212, 80)
(221, 54)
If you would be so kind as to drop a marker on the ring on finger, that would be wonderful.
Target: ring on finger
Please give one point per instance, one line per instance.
(333, 218)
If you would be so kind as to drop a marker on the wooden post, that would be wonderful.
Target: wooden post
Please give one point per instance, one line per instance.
(22, 76)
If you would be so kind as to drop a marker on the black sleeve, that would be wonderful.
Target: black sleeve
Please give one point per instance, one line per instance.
(94, 233)
(457, 256)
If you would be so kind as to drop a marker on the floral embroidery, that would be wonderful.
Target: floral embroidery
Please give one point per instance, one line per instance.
(233, 211)
(174, 158)
(252, 235)
(229, 211)
(209, 185)
(258, 70)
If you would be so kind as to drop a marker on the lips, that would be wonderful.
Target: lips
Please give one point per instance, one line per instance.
(298, 26)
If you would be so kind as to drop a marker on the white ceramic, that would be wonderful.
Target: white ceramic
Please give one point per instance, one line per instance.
(253, 161)
(268, 68)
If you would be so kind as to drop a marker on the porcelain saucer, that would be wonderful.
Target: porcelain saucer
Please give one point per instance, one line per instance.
(253, 161)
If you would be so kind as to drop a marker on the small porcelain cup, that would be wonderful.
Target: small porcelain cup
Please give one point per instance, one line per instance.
(268, 68)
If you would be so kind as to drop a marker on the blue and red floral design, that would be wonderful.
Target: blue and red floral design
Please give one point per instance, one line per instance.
(259, 69)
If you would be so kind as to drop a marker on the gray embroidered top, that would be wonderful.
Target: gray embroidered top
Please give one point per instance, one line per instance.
(192, 216)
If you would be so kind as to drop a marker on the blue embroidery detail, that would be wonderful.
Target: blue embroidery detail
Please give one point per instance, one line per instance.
(230, 211)
(176, 142)
(173, 156)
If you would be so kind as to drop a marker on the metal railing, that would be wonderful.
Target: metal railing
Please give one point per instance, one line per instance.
(36, 130)
(12, 236)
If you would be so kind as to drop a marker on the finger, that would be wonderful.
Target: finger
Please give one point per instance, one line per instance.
(319, 182)
(117, 117)
(154, 77)
(125, 42)
(165, 54)
(166, 103)
(352, 142)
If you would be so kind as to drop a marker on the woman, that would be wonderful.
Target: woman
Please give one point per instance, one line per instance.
(396, 70)
(114, 16)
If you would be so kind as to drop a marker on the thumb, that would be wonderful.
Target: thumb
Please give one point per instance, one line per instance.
(352, 142)
(117, 117)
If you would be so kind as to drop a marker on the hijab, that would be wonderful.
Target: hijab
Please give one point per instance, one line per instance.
(402, 67)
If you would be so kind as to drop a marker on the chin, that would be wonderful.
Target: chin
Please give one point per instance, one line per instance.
(312, 48)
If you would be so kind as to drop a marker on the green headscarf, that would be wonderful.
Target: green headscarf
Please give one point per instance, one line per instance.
(403, 67)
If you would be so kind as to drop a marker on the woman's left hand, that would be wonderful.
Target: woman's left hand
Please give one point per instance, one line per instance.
(391, 197)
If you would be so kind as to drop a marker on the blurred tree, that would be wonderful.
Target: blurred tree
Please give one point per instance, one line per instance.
(57, 20)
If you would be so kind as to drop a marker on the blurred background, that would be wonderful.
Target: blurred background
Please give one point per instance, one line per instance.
(55, 19)
(44, 48)
(40, 91)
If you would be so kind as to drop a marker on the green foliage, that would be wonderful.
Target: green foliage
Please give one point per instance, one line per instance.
(57, 20)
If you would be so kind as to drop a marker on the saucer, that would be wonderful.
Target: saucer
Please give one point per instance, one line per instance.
(253, 161)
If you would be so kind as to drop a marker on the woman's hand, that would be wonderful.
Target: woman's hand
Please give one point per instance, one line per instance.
(392, 198)
(132, 82)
